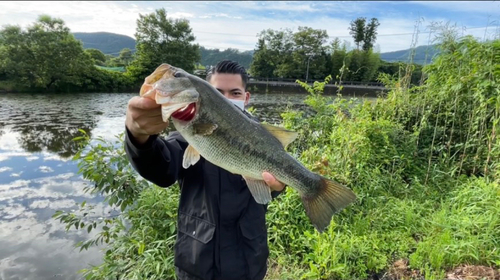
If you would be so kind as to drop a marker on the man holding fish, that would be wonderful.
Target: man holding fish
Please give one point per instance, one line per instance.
(228, 166)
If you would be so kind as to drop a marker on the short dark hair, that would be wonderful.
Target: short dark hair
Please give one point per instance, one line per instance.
(229, 67)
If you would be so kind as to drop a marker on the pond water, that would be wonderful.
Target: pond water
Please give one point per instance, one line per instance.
(38, 177)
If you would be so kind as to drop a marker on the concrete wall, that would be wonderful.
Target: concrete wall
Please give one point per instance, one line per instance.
(359, 91)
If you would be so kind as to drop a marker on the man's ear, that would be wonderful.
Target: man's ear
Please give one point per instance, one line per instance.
(247, 98)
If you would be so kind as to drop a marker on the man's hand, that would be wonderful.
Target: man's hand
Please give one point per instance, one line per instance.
(274, 184)
(143, 118)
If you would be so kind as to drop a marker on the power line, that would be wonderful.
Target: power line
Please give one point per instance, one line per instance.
(331, 36)
(232, 34)
(246, 35)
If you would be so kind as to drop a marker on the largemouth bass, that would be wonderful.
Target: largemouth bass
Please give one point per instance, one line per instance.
(222, 134)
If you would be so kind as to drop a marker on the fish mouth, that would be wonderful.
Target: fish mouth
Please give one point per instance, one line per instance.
(186, 113)
(164, 71)
(170, 87)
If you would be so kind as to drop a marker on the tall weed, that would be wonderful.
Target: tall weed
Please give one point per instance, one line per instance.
(403, 155)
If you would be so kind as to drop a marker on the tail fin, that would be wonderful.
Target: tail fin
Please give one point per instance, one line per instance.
(331, 198)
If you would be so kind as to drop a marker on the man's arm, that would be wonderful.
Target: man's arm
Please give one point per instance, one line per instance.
(158, 160)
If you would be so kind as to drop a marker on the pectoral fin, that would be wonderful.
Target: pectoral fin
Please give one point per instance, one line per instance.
(284, 136)
(204, 128)
(260, 191)
(191, 157)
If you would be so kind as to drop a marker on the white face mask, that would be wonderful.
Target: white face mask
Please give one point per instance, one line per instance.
(239, 103)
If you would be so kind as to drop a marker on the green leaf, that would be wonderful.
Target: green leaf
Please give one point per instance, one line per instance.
(141, 248)
(57, 214)
(123, 206)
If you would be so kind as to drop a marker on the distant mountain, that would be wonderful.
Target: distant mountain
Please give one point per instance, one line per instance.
(423, 55)
(108, 43)
(112, 43)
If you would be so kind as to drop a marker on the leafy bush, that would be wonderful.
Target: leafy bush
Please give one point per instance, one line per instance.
(423, 162)
(403, 155)
(141, 234)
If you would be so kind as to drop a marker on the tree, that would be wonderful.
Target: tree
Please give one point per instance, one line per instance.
(357, 30)
(163, 40)
(364, 33)
(362, 66)
(213, 56)
(274, 53)
(370, 34)
(282, 53)
(310, 45)
(98, 56)
(125, 56)
(46, 56)
(338, 57)
(261, 64)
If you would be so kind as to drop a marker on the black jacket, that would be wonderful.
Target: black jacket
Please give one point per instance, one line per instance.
(221, 229)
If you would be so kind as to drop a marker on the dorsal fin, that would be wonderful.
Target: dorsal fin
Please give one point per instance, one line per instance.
(284, 136)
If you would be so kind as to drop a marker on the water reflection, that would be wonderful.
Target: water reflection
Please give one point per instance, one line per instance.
(37, 176)
(50, 122)
(34, 246)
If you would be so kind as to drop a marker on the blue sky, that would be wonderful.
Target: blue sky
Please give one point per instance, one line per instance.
(235, 24)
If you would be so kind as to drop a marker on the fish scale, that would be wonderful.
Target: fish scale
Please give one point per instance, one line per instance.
(219, 153)
(222, 134)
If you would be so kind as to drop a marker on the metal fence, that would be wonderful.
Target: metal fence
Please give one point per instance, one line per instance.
(285, 80)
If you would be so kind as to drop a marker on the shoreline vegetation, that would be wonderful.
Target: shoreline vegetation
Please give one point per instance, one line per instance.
(46, 58)
(423, 161)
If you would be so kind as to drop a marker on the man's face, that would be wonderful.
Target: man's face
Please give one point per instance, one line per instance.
(231, 86)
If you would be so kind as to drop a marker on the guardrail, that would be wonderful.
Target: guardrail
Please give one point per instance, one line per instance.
(285, 80)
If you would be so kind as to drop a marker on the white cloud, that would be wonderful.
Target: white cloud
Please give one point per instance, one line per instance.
(79, 16)
(31, 158)
(109, 127)
(8, 142)
(45, 169)
(56, 204)
(15, 211)
(4, 169)
(41, 250)
(14, 185)
(181, 15)
(51, 156)
(9, 154)
(53, 187)
(16, 174)
(481, 7)
(240, 22)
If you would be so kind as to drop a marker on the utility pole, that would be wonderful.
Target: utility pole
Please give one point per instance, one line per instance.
(309, 55)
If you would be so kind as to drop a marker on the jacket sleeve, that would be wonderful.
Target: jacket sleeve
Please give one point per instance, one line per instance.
(275, 194)
(158, 160)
